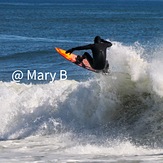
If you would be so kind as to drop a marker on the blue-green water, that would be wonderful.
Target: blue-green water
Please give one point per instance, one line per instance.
(88, 117)
(29, 32)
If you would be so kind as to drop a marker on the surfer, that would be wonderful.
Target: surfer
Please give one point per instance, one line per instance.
(98, 62)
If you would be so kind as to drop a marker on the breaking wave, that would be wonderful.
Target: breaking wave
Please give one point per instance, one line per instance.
(125, 104)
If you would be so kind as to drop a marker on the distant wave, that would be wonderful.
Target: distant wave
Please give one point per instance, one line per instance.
(61, 3)
(24, 38)
(24, 54)
(23, 3)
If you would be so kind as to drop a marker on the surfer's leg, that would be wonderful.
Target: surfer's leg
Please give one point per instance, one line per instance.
(88, 57)
(79, 59)
(106, 68)
(107, 65)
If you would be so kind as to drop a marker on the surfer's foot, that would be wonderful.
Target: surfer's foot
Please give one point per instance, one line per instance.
(79, 59)
(106, 71)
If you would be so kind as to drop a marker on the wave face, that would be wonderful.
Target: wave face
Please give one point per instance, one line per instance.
(127, 103)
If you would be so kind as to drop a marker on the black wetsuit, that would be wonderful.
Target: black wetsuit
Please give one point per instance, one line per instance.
(98, 61)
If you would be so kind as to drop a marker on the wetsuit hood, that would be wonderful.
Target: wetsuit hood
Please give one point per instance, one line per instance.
(97, 39)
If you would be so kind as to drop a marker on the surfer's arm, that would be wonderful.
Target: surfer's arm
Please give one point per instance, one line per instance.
(86, 47)
(104, 41)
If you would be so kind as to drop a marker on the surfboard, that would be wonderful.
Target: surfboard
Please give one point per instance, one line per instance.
(72, 58)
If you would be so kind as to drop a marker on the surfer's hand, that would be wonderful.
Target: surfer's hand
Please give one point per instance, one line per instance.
(102, 40)
(69, 51)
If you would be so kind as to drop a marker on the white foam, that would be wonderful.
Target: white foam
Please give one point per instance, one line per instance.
(23, 103)
(128, 59)
(156, 74)
(124, 98)
(113, 148)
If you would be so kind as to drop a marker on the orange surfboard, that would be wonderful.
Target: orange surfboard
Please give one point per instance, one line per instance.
(72, 58)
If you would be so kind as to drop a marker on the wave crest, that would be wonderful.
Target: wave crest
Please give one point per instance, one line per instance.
(128, 102)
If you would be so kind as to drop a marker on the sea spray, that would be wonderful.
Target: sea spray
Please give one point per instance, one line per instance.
(123, 102)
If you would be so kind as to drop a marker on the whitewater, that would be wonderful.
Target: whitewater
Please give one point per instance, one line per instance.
(107, 118)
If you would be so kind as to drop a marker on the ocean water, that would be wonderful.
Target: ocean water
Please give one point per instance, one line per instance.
(81, 116)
